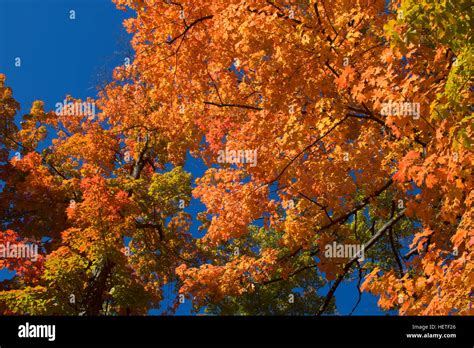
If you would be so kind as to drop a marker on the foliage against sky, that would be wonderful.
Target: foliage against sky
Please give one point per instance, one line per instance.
(303, 84)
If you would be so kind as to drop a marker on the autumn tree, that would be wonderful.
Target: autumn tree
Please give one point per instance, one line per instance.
(320, 122)
(105, 212)
(359, 113)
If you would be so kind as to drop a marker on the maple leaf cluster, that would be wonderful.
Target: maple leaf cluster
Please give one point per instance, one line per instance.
(304, 84)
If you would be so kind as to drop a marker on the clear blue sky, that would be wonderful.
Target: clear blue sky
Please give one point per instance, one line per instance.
(61, 56)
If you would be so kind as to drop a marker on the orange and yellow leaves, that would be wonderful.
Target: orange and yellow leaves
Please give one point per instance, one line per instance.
(235, 204)
(305, 87)
(235, 278)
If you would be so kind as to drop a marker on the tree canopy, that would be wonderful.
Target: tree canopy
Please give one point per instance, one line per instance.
(341, 122)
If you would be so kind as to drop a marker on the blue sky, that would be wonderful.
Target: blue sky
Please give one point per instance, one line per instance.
(62, 56)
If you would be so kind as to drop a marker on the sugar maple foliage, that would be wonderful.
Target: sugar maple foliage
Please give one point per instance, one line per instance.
(305, 84)
(106, 214)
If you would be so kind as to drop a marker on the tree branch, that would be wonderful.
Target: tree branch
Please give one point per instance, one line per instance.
(359, 281)
(348, 265)
(306, 149)
(188, 28)
(222, 105)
